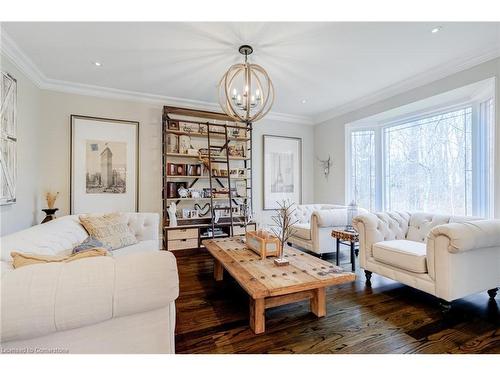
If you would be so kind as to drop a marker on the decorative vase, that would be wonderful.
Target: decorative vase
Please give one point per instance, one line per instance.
(281, 260)
(49, 214)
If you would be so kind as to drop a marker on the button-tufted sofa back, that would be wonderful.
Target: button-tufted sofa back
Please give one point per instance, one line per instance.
(303, 212)
(399, 225)
(66, 232)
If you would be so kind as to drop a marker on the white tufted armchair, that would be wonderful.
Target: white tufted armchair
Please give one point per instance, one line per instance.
(450, 257)
(315, 222)
(122, 303)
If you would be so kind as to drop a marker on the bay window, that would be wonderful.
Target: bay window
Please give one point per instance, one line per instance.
(439, 161)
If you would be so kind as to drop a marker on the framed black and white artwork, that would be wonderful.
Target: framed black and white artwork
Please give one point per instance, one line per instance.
(104, 165)
(282, 170)
(8, 139)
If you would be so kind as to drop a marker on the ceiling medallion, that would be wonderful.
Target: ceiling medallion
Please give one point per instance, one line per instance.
(246, 93)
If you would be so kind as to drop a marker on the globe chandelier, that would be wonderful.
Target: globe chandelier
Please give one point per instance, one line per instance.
(246, 93)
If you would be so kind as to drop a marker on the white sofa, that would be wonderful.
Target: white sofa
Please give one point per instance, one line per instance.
(122, 303)
(315, 222)
(449, 257)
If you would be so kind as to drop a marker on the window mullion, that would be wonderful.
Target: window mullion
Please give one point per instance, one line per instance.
(379, 168)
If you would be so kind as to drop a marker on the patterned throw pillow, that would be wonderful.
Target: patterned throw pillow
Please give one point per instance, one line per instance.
(89, 244)
(111, 229)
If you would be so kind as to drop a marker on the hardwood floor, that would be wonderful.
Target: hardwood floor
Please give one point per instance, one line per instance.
(388, 317)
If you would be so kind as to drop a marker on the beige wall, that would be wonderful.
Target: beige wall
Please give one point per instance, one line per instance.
(26, 211)
(57, 108)
(44, 148)
(329, 136)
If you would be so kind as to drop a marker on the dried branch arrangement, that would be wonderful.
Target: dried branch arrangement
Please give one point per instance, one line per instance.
(51, 199)
(283, 227)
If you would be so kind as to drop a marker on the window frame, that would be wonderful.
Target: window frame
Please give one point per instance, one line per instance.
(482, 183)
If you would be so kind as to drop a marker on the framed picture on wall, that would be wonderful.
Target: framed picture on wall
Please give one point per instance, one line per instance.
(8, 139)
(104, 165)
(282, 170)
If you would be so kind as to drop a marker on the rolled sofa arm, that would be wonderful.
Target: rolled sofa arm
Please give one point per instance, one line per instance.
(367, 225)
(467, 236)
(45, 298)
(330, 217)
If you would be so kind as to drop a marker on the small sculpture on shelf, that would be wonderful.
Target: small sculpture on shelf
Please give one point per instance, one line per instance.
(172, 214)
(183, 192)
(283, 228)
(50, 198)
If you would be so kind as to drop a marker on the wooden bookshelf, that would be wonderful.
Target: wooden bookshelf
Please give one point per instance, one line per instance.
(204, 130)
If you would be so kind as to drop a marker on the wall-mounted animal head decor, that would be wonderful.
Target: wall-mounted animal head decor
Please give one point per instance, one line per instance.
(326, 164)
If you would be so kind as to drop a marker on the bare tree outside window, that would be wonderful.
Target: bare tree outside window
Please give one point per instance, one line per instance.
(428, 164)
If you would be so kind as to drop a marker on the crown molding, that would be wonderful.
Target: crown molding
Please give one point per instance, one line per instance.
(10, 49)
(411, 83)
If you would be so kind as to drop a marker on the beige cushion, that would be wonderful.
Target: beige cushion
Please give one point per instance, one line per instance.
(302, 231)
(408, 255)
(110, 229)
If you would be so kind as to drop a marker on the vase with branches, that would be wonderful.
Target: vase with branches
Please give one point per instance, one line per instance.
(50, 198)
(283, 228)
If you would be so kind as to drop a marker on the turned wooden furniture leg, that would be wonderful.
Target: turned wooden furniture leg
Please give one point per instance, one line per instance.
(318, 302)
(445, 306)
(257, 315)
(368, 275)
(218, 270)
(493, 292)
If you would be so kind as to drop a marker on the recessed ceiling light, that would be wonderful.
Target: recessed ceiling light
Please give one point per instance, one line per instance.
(303, 101)
(97, 63)
(436, 29)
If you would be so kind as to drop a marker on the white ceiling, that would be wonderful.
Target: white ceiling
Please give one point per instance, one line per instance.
(330, 65)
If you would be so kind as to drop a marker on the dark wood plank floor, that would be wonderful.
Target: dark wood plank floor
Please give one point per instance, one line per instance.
(388, 317)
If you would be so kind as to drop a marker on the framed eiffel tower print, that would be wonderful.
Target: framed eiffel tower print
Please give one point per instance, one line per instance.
(282, 170)
(8, 139)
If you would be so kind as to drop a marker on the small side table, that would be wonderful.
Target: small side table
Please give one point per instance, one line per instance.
(349, 238)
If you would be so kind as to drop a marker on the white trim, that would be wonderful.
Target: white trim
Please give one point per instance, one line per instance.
(421, 79)
(28, 67)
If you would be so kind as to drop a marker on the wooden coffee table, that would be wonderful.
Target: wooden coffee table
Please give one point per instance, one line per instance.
(305, 278)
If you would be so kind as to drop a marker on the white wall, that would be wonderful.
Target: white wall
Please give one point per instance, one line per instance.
(45, 150)
(329, 136)
(26, 211)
